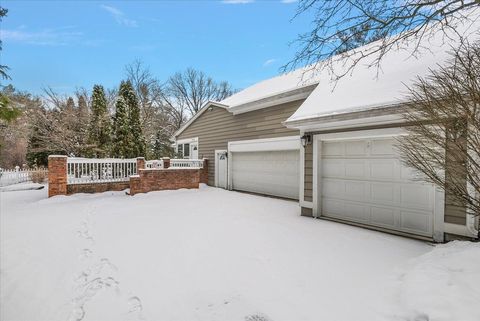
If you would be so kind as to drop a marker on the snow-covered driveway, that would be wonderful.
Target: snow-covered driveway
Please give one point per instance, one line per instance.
(211, 254)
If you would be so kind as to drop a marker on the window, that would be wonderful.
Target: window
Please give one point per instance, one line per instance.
(183, 150)
(187, 148)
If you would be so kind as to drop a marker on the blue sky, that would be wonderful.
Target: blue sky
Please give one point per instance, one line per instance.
(72, 44)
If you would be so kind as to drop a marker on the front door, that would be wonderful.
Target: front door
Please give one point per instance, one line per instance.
(221, 157)
(193, 150)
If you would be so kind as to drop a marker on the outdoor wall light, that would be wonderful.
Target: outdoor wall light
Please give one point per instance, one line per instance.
(306, 140)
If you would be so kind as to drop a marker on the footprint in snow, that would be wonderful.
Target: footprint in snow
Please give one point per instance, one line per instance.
(85, 254)
(104, 263)
(257, 317)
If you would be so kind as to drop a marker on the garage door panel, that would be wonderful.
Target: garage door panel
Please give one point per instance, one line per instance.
(332, 187)
(272, 173)
(382, 147)
(354, 168)
(333, 149)
(333, 168)
(365, 181)
(416, 222)
(382, 170)
(355, 211)
(356, 190)
(383, 193)
(355, 148)
(384, 216)
(415, 196)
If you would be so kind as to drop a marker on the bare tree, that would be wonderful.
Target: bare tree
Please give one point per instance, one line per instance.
(149, 93)
(59, 127)
(341, 25)
(159, 118)
(192, 89)
(443, 144)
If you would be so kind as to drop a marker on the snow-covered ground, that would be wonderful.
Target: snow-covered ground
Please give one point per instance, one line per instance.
(211, 254)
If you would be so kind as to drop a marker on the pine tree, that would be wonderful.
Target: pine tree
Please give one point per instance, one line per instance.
(36, 153)
(121, 138)
(162, 146)
(100, 127)
(82, 107)
(137, 145)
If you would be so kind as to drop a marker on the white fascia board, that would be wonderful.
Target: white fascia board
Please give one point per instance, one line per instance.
(318, 125)
(201, 111)
(277, 99)
(265, 145)
(187, 140)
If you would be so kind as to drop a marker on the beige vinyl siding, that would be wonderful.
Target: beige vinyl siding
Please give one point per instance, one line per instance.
(215, 128)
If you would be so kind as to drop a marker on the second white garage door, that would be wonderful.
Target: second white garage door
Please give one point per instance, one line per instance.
(267, 172)
(364, 181)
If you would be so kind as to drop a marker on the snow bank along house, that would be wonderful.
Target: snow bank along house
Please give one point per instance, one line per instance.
(332, 149)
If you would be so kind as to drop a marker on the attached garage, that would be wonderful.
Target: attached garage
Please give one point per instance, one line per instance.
(364, 181)
(271, 173)
(266, 166)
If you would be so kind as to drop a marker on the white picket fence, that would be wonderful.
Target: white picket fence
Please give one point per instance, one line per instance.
(154, 164)
(186, 163)
(175, 163)
(104, 170)
(17, 175)
(99, 170)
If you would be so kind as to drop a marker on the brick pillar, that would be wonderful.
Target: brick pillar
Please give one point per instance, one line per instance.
(140, 163)
(135, 184)
(204, 172)
(57, 175)
(166, 162)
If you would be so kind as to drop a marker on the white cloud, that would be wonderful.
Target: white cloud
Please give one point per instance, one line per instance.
(237, 1)
(288, 1)
(269, 62)
(46, 37)
(120, 17)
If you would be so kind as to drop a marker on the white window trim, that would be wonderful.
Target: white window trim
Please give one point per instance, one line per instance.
(186, 141)
(439, 201)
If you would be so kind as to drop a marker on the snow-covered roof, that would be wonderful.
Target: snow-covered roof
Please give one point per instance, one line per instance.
(277, 85)
(368, 87)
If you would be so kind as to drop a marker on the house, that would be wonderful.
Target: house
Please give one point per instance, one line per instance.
(331, 146)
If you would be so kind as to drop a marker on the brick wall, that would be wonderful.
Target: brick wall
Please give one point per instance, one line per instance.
(149, 180)
(97, 187)
(57, 175)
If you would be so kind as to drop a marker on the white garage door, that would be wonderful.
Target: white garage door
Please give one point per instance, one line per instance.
(268, 172)
(364, 181)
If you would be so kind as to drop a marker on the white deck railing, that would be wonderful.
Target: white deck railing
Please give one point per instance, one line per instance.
(154, 164)
(17, 175)
(186, 163)
(99, 170)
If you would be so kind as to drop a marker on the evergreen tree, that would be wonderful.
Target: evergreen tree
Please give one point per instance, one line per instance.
(137, 145)
(36, 153)
(121, 138)
(162, 146)
(82, 107)
(100, 127)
